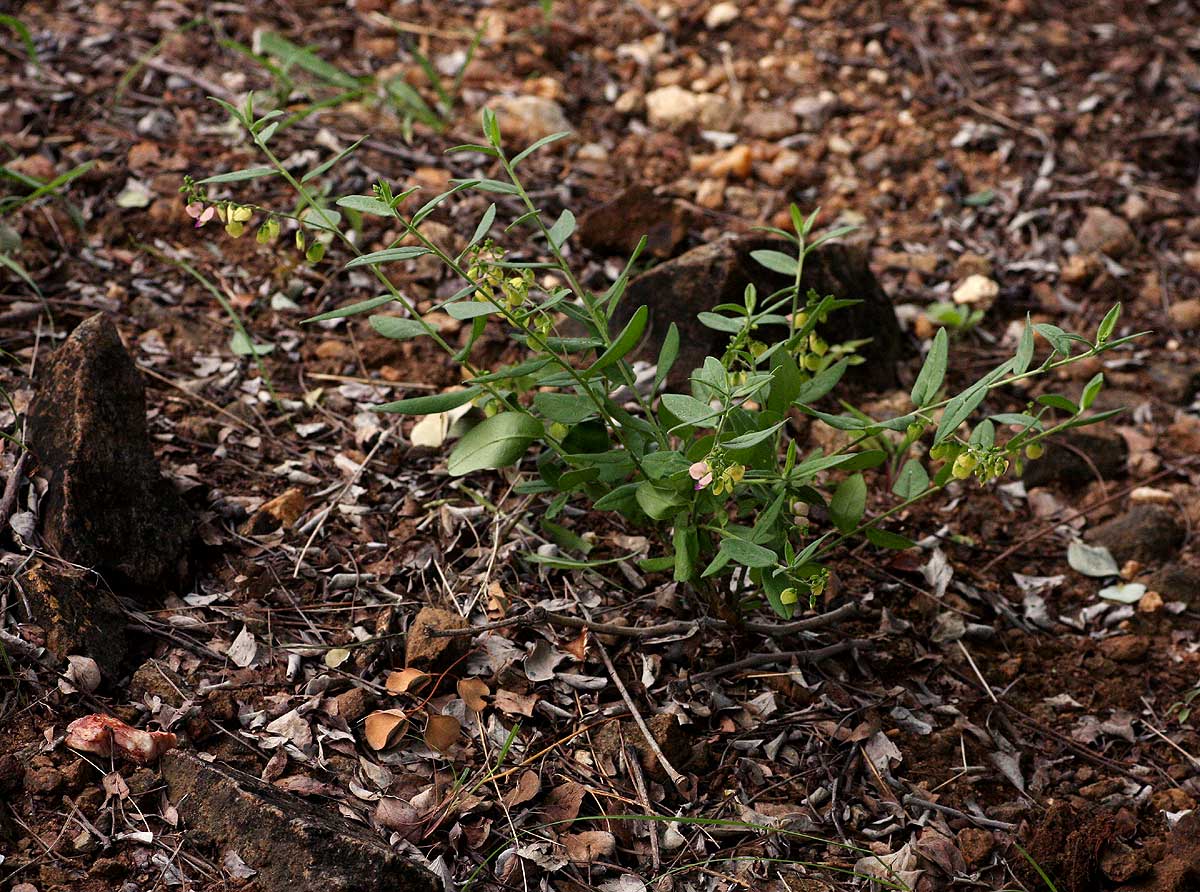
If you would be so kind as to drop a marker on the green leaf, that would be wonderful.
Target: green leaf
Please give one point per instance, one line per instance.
(884, 539)
(776, 261)
(748, 554)
(664, 463)
(365, 204)
(1024, 349)
(562, 229)
(565, 408)
(821, 383)
(688, 409)
(533, 147)
(624, 343)
(1091, 390)
(237, 176)
(398, 328)
(470, 309)
(912, 480)
(1056, 401)
(1059, 339)
(431, 404)
(288, 53)
(849, 502)
(745, 441)
(717, 322)
(687, 549)
(658, 503)
(485, 223)
(495, 442)
(362, 306)
(388, 255)
(667, 354)
(933, 372)
(959, 409)
(1108, 324)
(1026, 421)
(325, 165)
(241, 346)
(984, 434)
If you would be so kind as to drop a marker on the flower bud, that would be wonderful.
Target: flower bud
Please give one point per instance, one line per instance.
(1034, 451)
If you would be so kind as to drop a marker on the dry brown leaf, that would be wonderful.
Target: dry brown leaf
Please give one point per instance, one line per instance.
(578, 647)
(383, 726)
(406, 680)
(515, 704)
(562, 804)
(472, 691)
(400, 816)
(529, 784)
(441, 732)
(497, 603)
(114, 786)
(103, 735)
(590, 845)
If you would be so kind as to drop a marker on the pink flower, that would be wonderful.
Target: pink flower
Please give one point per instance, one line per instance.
(701, 473)
(201, 214)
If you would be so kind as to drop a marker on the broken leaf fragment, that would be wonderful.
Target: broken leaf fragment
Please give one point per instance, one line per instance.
(1091, 560)
(383, 727)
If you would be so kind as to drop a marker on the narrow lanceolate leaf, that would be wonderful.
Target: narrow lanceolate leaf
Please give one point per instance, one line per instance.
(398, 328)
(933, 372)
(776, 261)
(1091, 390)
(688, 409)
(362, 306)
(533, 147)
(958, 410)
(365, 204)
(1108, 325)
(330, 162)
(747, 553)
(849, 503)
(912, 480)
(667, 355)
(562, 229)
(745, 441)
(1024, 349)
(237, 176)
(496, 442)
(625, 342)
(428, 405)
(388, 255)
(485, 223)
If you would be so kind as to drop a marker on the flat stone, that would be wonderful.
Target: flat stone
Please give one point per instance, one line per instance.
(718, 272)
(770, 123)
(1075, 458)
(77, 616)
(1176, 582)
(292, 843)
(425, 651)
(1144, 533)
(107, 506)
(617, 226)
(526, 119)
(674, 108)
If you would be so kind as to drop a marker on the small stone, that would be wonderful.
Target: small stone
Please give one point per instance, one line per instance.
(711, 194)
(1146, 533)
(630, 102)
(1176, 582)
(1134, 207)
(1185, 314)
(720, 15)
(42, 777)
(976, 844)
(1125, 648)
(1192, 260)
(839, 145)
(526, 119)
(1104, 231)
(353, 704)
(814, 112)
(1080, 269)
(976, 291)
(1149, 495)
(1151, 602)
(674, 108)
(770, 123)
(1172, 799)
(425, 651)
(971, 264)
(737, 161)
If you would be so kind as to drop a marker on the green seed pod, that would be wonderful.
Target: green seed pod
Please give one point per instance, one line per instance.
(1034, 451)
(963, 466)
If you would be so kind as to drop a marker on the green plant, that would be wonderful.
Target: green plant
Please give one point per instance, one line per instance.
(295, 67)
(954, 316)
(714, 471)
(31, 189)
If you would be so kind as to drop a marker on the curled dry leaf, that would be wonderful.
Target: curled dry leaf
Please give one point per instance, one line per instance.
(383, 726)
(103, 735)
(400, 816)
(82, 674)
(335, 656)
(407, 680)
(472, 691)
(441, 732)
(590, 845)
(528, 786)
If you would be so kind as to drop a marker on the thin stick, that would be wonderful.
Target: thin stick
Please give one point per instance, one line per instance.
(955, 813)
(8, 502)
(983, 681)
(800, 656)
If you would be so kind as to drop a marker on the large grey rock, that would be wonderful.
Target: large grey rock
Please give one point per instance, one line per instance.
(107, 507)
(292, 843)
(718, 272)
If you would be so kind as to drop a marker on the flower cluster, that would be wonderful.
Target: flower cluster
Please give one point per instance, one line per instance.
(723, 478)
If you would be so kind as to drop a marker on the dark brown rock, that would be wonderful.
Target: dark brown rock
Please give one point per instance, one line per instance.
(425, 651)
(617, 226)
(76, 616)
(718, 272)
(1076, 458)
(1124, 649)
(976, 844)
(1145, 533)
(1176, 582)
(292, 843)
(107, 506)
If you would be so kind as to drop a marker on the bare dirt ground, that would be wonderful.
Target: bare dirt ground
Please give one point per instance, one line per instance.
(995, 701)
